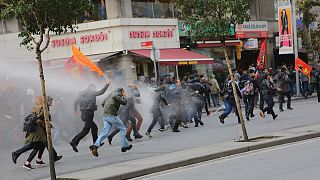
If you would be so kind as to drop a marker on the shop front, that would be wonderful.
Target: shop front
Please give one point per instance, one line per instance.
(170, 61)
(253, 34)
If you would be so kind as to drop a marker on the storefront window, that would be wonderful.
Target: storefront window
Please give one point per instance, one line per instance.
(153, 10)
(142, 10)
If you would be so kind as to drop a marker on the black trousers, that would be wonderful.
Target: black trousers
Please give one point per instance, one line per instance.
(251, 100)
(41, 151)
(157, 117)
(36, 146)
(89, 124)
(197, 115)
(269, 109)
(261, 101)
(315, 87)
(281, 99)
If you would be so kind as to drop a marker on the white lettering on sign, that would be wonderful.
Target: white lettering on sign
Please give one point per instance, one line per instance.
(252, 26)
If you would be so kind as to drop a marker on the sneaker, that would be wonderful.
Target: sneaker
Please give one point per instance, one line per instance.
(124, 149)
(40, 163)
(129, 138)
(94, 150)
(221, 120)
(184, 125)
(262, 114)
(74, 147)
(290, 108)
(275, 117)
(57, 158)
(175, 130)
(148, 134)
(162, 129)
(252, 115)
(27, 166)
(281, 110)
(14, 157)
(138, 136)
(109, 139)
(247, 118)
(201, 123)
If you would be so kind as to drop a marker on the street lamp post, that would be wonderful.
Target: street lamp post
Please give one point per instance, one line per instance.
(295, 38)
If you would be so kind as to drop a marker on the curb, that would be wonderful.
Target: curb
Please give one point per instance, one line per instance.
(162, 162)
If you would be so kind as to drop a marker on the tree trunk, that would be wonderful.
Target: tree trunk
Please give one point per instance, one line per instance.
(245, 135)
(46, 114)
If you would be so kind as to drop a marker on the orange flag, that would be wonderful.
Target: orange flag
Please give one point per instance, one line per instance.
(303, 67)
(85, 61)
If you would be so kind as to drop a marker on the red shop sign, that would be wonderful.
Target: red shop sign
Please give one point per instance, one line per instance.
(87, 38)
(155, 34)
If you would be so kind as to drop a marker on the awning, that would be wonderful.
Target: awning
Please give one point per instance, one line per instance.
(176, 57)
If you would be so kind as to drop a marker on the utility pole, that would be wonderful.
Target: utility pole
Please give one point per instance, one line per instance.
(155, 55)
(295, 38)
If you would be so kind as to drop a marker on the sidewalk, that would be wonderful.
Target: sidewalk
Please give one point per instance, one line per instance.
(275, 99)
(168, 161)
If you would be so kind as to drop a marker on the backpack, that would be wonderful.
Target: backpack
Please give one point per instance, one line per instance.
(29, 124)
(249, 89)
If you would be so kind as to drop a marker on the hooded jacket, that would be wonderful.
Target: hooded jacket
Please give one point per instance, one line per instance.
(112, 103)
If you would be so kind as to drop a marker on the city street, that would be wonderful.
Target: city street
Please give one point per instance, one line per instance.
(287, 162)
(306, 112)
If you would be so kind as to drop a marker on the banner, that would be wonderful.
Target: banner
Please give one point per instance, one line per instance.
(303, 67)
(72, 67)
(85, 61)
(285, 29)
(262, 55)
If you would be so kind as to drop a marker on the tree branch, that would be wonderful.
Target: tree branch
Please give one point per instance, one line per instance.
(29, 34)
(48, 41)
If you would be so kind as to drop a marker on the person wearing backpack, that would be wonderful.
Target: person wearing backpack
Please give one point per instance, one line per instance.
(87, 102)
(229, 100)
(36, 137)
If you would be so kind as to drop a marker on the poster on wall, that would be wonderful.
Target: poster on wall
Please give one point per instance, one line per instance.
(285, 29)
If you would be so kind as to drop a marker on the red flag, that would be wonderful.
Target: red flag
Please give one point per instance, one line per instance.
(303, 67)
(85, 61)
(71, 66)
(262, 56)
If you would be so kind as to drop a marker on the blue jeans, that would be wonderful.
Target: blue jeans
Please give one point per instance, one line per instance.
(110, 121)
(305, 87)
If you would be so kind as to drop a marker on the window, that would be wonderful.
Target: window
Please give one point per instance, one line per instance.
(99, 13)
(153, 10)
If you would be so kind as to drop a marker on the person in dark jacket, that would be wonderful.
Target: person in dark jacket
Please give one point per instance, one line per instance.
(87, 102)
(314, 82)
(252, 96)
(283, 80)
(229, 101)
(267, 92)
(157, 114)
(111, 106)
